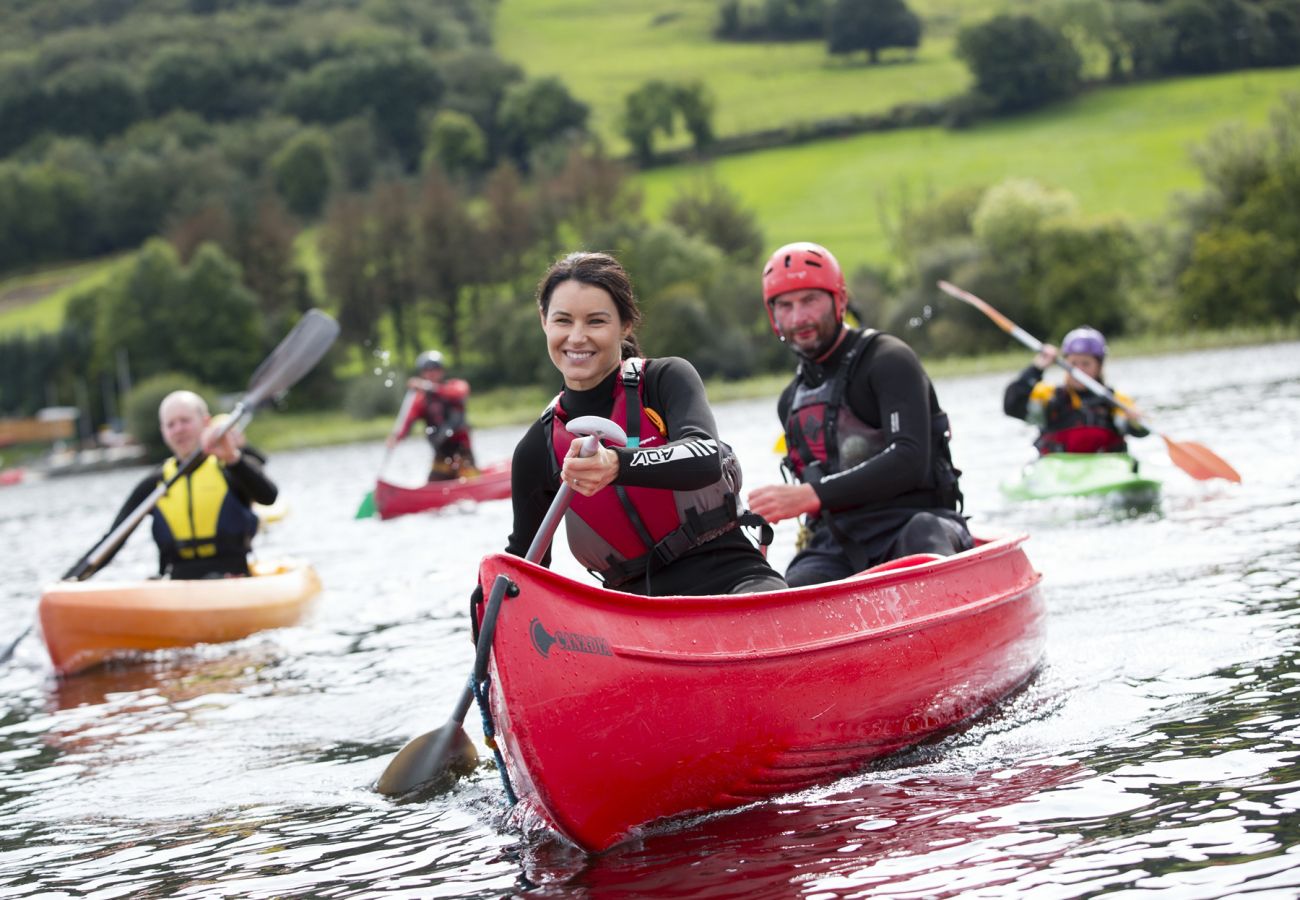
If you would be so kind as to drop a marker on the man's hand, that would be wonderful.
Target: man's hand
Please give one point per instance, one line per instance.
(227, 449)
(1045, 357)
(777, 502)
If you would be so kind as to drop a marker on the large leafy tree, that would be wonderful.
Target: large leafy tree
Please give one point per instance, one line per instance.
(538, 112)
(871, 25)
(1019, 62)
(199, 320)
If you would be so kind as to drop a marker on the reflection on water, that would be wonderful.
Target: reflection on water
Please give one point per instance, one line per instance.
(1155, 751)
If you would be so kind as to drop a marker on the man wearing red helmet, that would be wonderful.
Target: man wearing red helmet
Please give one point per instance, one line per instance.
(1070, 418)
(440, 402)
(867, 441)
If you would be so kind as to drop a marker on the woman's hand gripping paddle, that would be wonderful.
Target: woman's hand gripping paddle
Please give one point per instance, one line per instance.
(433, 761)
(1195, 459)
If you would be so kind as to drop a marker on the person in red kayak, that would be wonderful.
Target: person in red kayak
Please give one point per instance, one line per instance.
(1070, 418)
(204, 525)
(866, 440)
(440, 402)
(661, 516)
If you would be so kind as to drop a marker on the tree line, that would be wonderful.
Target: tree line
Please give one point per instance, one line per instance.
(417, 261)
(441, 242)
(130, 118)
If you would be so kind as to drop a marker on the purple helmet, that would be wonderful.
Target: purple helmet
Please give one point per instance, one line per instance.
(1085, 340)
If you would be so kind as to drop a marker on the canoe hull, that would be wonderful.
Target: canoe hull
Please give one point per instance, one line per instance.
(614, 710)
(1083, 475)
(88, 622)
(492, 483)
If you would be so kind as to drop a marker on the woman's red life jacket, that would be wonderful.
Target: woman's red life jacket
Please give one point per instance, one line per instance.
(622, 533)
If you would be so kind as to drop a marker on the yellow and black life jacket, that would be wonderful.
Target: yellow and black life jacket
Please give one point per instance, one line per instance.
(200, 518)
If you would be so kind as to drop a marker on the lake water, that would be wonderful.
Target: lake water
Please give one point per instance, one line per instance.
(1156, 752)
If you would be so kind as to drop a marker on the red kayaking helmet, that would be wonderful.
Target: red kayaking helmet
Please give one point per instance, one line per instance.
(804, 265)
(1085, 340)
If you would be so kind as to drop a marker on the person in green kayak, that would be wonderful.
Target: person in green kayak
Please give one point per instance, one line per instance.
(866, 439)
(440, 402)
(661, 516)
(1070, 418)
(204, 524)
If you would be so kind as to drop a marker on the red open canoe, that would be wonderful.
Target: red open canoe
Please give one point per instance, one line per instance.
(614, 710)
(492, 483)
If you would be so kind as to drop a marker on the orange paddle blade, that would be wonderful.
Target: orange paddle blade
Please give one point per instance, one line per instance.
(1199, 461)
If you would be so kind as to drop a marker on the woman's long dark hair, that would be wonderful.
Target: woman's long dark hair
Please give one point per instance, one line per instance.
(598, 270)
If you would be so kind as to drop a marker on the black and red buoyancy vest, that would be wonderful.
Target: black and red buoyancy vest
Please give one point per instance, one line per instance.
(1078, 424)
(622, 533)
(822, 430)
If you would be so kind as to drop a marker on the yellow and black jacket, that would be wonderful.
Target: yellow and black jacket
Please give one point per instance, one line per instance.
(204, 524)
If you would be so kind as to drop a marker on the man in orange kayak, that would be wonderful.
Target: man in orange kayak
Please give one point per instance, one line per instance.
(866, 439)
(1070, 418)
(440, 402)
(204, 524)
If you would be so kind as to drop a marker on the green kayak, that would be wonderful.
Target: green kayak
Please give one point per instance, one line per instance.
(1083, 475)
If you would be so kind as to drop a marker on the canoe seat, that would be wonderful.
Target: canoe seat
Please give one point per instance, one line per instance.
(903, 562)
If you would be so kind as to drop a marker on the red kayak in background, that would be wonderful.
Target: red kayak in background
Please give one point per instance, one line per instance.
(492, 483)
(614, 710)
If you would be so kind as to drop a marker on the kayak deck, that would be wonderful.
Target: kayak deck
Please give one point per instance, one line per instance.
(1082, 475)
(88, 622)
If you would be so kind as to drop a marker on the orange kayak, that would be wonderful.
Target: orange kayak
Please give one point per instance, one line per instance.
(88, 622)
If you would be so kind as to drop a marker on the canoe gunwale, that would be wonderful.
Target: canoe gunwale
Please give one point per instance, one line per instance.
(897, 629)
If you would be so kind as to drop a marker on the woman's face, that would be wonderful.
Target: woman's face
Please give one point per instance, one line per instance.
(583, 334)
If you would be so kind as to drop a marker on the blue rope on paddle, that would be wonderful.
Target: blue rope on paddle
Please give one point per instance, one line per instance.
(490, 734)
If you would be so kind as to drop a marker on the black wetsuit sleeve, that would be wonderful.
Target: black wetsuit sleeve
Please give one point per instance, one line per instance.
(692, 457)
(533, 486)
(249, 482)
(891, 391)
(1015, 401)
(138, 494)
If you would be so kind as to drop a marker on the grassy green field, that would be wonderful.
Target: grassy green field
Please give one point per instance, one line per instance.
(604, 49)
(1120, 151)
(33, 303)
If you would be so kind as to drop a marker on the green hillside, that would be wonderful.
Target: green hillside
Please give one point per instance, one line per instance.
(603, 49)
(1120, 151)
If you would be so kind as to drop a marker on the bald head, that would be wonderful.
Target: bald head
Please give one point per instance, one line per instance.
(181, 417)
(188, 399)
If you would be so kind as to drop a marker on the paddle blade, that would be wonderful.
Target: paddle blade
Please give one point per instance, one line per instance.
(430, 763)
(367, 507)
(1200, 461)
(780, 447)
(293, 358)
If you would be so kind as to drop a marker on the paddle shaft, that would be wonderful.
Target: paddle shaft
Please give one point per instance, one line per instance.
(402, 411)
(536, 550)
(1036, 345)
(396, 778)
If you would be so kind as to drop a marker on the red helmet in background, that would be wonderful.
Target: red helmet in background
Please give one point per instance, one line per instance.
(804, 265)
